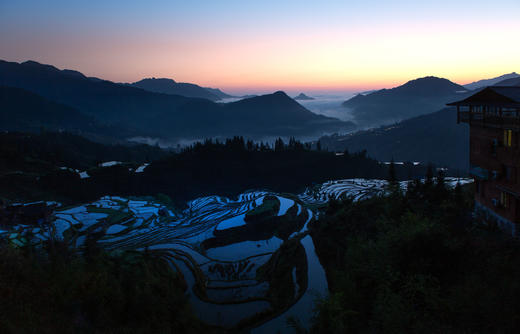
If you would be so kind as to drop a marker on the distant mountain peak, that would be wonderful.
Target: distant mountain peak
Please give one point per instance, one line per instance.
(278, 94)
(429, 80)
(429, 86)
(35, 64)
(163, 80)
(415, 97)
(38, 66)
(303, 97)
(279, 97)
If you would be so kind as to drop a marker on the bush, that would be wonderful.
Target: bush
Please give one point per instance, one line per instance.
(58, 293)
(415, 263)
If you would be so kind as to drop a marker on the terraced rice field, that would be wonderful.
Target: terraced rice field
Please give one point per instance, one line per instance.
(211, 243)
(358, 189)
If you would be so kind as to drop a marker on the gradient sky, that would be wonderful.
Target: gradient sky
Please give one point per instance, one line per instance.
(262, 46)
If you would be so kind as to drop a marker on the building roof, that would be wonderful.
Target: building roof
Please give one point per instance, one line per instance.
(500, 96)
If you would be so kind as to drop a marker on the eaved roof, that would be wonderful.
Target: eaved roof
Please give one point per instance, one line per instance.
(500, 96)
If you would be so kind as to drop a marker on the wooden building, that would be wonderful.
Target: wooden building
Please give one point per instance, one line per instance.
(493, 115)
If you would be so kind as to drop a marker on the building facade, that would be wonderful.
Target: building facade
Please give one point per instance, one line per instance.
(493, 115)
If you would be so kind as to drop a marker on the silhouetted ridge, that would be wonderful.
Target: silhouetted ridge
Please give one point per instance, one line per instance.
(303, 97)
(283, 110)
(509, 82)
(218, 92)
(415, 97)
(169, 86)
(75, 73)
(163, 115)
(429, 86)
(21, 110)
(434, 137)
(492, 82)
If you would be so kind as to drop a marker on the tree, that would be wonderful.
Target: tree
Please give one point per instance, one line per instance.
(279, 145)
(429, 176)
(393, 184)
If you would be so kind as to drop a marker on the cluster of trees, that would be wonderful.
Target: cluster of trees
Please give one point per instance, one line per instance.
(416, 262)
(240, 144)
(29, 168)
(235, 165)
(51, 290)
(211, 167)
(67, 149)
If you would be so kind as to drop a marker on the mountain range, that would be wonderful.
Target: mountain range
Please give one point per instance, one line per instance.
(145, 113)
(21, 110)
(169, 86)
(493, 81)
(414, 98)
(509, 82)
(34, 96)
(435, 137)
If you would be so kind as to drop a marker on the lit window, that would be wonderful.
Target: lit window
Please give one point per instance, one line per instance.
(507, 137)
(504, 199)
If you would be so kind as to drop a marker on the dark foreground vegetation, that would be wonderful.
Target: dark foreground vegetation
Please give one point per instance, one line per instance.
(54, 291)
(416, 263)
(30, 168)
(18, 151)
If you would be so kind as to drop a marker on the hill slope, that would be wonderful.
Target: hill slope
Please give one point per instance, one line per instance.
(220, 94)
(21, 110)
(509, 82)
(435, 137)
(491, 82)
(291, 117)
(414, 98)
(169, 86)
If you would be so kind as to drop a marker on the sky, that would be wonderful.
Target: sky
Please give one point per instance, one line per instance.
(263, 46)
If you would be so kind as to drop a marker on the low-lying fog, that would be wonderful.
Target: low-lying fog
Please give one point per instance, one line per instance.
(329, 105)
(323, 104)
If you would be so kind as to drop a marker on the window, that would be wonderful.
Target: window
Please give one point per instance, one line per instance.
(504, 200)
(507, 137)
(509, 173)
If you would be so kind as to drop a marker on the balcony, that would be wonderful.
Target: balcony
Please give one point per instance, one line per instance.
(491, 120)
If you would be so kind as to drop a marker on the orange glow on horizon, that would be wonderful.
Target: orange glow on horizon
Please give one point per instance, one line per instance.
(325, 59)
